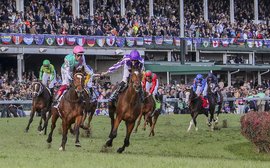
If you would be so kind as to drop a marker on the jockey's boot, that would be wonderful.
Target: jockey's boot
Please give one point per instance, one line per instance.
(115, 94)
(141, 94)
(52, 91)
(56, 99)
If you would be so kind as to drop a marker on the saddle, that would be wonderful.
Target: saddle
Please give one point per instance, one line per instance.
(205, 103)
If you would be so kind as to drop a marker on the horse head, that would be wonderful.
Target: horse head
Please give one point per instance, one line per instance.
(135, 80)
(37, 89)
(78, 80)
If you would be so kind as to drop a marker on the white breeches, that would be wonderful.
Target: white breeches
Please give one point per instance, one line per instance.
(49, 77)
(148, 87)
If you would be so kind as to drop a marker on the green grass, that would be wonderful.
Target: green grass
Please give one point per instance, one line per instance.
(171, 147)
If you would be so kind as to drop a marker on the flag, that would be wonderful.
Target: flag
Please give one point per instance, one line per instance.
(39, 39)
(50, 39)
(189, 41)
(100, 41)
(197, 41)
(110, 40)
(120, 41)
(177, 41)
(215, 43)
(80, 40)
(225, 42)
(147, 40)
(258, 43)
(6, 39)
(241, 42)
(130, 41)
(139, 41)
(70, 40)
(168, 40)
(267, 43)
(91, 41)
(28, 39)
(250, 43)
(205, 42)
(60, 40)
(17, 39)
(158, 40)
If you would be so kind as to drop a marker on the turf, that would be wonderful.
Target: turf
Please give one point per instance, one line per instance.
(172, 146)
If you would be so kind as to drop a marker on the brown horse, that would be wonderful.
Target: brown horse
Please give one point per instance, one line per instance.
(70, 109)
(149, 107)
(42, 100)
(127, 108)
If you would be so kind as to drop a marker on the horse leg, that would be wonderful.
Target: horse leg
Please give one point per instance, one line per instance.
(33, 110)
(65, 127)
(55, 116)
(129, 127)
(113, 133)
(43, 117)
(193, 121)
(47, 121)
(109, 142)
(138, 122)
(146, 118)
(152, 132)
(78, 123)
(88, 132)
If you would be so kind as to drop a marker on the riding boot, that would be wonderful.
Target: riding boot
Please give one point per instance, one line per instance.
(115, 94)
(56, 99)
(52, 91)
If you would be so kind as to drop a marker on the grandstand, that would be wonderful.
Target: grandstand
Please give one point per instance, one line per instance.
(229, 37)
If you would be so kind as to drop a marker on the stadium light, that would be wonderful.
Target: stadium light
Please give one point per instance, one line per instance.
(3, 49)
(42, 50)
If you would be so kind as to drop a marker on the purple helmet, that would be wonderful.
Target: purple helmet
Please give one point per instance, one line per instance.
(135, 55)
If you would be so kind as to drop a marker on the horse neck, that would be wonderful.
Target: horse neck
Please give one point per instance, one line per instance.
(71, 95)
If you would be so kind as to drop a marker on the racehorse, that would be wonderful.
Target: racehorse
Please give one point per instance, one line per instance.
(195, 105)
(42, 100)
(70, 109)
(149, 107)
(127, 108)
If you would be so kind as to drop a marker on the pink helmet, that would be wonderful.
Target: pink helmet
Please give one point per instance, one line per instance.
(78, 49)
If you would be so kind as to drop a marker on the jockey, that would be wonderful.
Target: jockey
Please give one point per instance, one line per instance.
(198, 81)
(150, 84)
(133, 59)
(75, 60)
(198, 88)
(47, 72)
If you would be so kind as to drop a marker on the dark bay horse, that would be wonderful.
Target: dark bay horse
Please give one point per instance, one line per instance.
(127, 108)
(70, 109)
(195, 105)
(42, 100)
(149, 107)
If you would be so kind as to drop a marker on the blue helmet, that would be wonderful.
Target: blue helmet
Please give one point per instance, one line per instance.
(135, 55)
(199, 76)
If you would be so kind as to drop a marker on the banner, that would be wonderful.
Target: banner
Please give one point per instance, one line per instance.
(6, 39)
(80, 40)
(130, 41)
(60, 40)
(177, 41)
(147, 40)
(100, 41)
(39, 39)
(168, 40)
(225, 42)
(120, 41)
(50, 39)
(139, 41)
(91, 41)
(110, 40)
(28, 39)
(250, 43)
(158, 40)
(258, 43)
(205, 42)
(70, 40)
(17, 39)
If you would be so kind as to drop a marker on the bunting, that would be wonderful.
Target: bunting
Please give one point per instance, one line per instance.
(6, 39)
(110, 40)
(17, 39)
(39, 39)
(80, 40)
(147, 40)
(120, 41)
(158, 40)
(139, 41)
(50, 39)
(130, 41)
(60, 40)
(28, 39)
(91, 41)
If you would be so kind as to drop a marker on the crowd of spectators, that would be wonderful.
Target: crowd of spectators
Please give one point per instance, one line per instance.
(55, 17)
(11, 89)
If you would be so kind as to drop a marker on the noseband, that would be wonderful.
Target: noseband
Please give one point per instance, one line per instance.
(80, 76)
(134, 85)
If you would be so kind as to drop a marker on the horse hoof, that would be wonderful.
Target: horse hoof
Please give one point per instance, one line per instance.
(49, 145)
(120, 150)
(61, 149)
(40, 132)
(78, 144)
(26, 130)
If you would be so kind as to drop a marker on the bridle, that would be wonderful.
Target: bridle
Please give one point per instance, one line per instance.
(135, 84)
(35, 91)
(80, 76)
